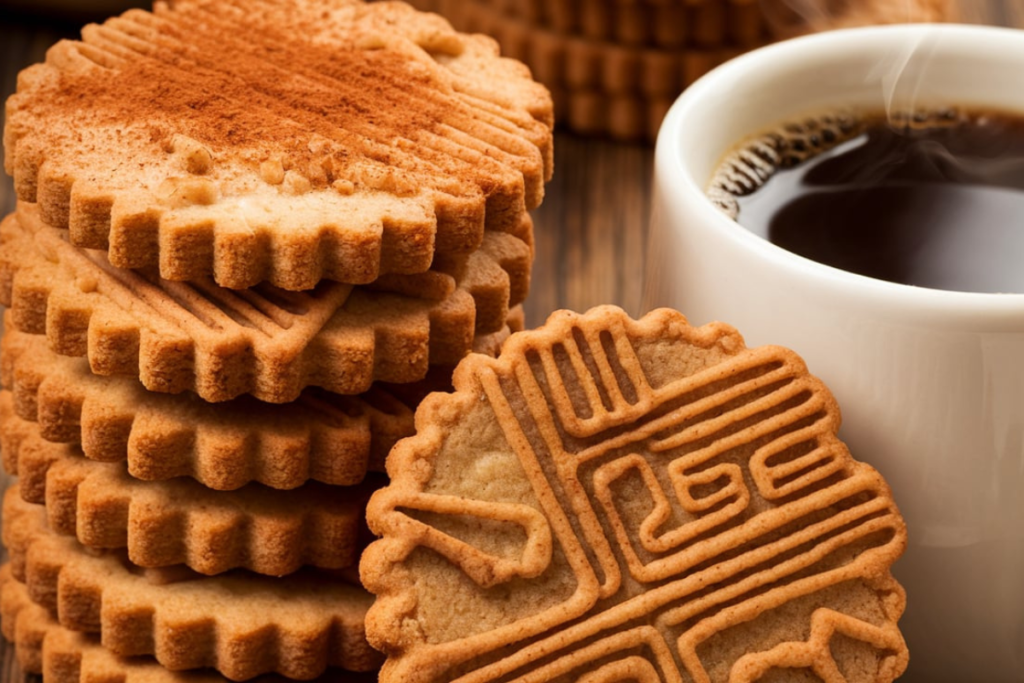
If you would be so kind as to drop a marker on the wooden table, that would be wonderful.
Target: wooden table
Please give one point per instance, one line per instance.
(591, 229)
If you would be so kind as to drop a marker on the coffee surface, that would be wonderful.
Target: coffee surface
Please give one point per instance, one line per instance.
(936, 202)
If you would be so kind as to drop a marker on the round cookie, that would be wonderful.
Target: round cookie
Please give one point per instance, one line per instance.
(43, 646)
(613, 497)
(282, 142)
(263, 341)
(240, 624)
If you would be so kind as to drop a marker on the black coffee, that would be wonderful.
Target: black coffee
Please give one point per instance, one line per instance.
(933, 200)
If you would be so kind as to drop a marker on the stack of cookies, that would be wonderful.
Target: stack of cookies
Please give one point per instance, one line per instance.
(251, 235)
(615, 66)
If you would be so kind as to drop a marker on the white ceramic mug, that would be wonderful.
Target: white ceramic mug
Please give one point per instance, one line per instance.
(930, 383)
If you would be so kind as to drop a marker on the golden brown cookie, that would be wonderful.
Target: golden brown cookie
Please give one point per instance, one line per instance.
(283, 142)
(180, 521)
(240, 624)
(220, 343)
(43, 646)
(321, 436)
(613, 498)
(599, 86)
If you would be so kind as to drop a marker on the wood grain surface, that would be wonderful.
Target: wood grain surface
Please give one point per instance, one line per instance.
(591, 229)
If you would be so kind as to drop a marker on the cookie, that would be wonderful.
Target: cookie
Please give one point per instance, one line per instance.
(222, 344)
(43, 646)
(600, 87)
(497, 275)
(180, 521)
(695, 23)
(615, 68)
(321, 436)
(279, 142)
(616, 499)
(239, 624)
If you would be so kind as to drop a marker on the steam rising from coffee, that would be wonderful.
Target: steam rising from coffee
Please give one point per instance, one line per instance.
(900, 74)
(788, 18)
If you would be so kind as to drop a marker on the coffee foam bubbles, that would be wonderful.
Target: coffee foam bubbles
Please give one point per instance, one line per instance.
(752, 162)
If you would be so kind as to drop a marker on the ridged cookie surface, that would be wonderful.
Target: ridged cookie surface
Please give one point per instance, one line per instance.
(240, 624)
(281, 142)
(614, 499)
(321, 436)
(180, 521)
(43, 646)
(221, 343)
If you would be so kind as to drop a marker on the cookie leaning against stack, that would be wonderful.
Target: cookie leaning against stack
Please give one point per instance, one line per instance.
(250, 237)
(614, 500)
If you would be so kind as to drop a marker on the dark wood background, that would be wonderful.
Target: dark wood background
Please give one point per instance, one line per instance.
(591, 229)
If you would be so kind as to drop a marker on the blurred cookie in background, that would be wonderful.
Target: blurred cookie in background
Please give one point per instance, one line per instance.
(74, 11)
(614, 67)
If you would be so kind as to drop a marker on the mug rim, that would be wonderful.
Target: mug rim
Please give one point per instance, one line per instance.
(669, 157)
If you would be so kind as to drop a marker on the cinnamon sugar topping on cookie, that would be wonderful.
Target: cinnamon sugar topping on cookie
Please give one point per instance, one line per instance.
(282, 142)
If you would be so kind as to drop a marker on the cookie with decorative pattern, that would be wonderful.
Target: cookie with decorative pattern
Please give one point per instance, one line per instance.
(222, 343)
(613, 499)
(279, 142)
(240, 624)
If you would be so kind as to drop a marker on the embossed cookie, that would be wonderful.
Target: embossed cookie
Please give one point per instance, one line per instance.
(240, 624)
(43, 646)
(614, 499)
(283, 142)
(220, 343)
(180, 521)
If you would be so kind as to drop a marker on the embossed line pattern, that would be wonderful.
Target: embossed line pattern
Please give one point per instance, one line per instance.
(751, 505)
(705, 554)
